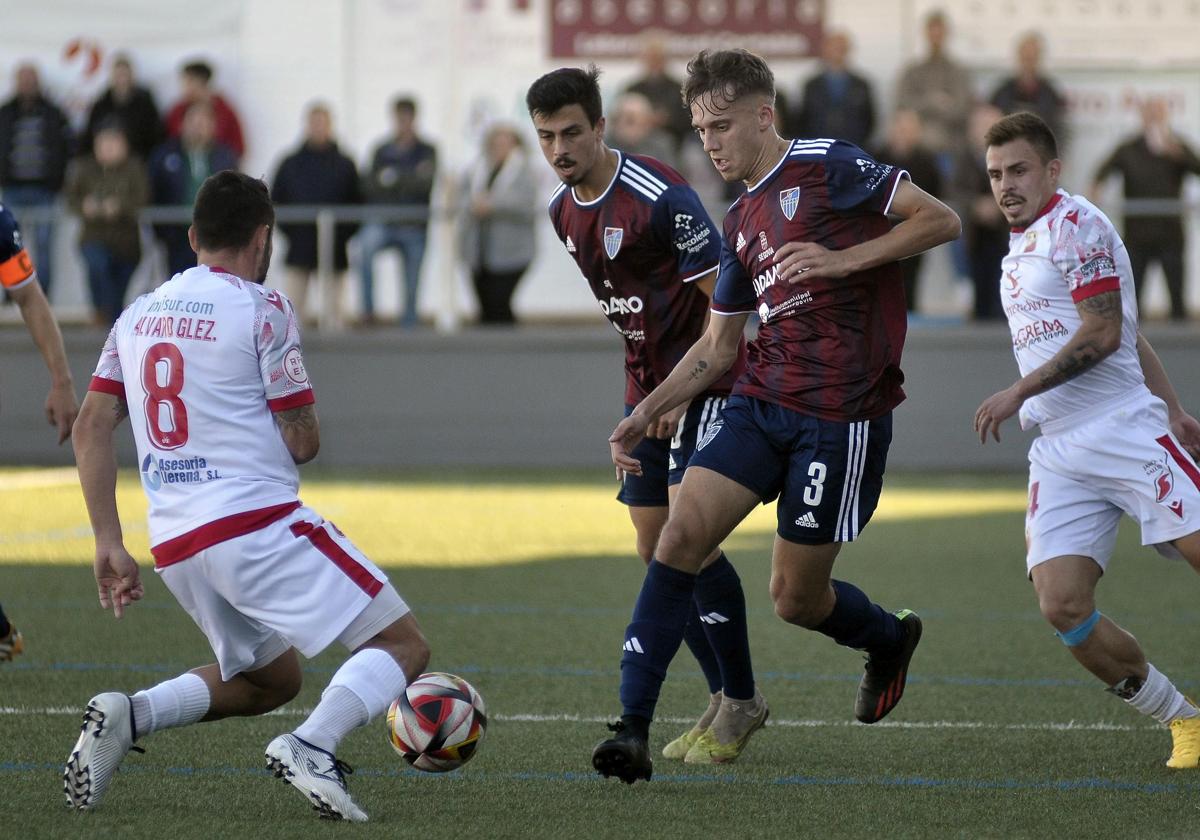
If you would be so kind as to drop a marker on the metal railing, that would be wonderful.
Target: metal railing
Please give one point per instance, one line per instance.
(441, 217)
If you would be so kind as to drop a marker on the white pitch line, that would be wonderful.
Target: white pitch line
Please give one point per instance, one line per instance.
(800, 723)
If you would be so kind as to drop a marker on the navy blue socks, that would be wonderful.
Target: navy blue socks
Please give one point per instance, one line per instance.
(653, 636)
(697, 642)
(857, 623)
(722, 605)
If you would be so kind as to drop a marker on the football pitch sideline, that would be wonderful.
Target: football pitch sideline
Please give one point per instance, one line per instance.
(523, 584)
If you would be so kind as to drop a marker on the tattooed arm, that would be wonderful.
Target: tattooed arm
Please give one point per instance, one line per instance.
(301, 432)
(706, 362)
(116, 572)
(1098, 336)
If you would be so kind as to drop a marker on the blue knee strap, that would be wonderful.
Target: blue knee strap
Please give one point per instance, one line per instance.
(1078, 635)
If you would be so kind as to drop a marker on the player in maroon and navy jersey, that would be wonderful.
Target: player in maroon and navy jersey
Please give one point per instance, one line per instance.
(650, 252)
(19, 279)
(809, 248)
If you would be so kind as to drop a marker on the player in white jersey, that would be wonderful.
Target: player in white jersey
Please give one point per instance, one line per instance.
(1114, 437)
(209, 369)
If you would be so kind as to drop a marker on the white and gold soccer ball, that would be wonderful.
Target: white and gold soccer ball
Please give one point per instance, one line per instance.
(437, 723)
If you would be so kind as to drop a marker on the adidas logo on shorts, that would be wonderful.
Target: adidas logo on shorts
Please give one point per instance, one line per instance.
(633, 646)
(807, 520)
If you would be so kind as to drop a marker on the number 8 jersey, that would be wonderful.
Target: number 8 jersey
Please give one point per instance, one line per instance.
(202, 362)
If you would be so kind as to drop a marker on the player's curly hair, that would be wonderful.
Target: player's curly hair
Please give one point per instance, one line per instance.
(563, 87)
(1024, 125)
(230, 207)
(727, 75)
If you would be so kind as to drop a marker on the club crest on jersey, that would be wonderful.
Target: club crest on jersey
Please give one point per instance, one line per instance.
(1030, 241)
(612, 241)
(789, 200)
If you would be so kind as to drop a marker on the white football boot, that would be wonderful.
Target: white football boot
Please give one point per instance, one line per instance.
(104, 739)
(317, 775)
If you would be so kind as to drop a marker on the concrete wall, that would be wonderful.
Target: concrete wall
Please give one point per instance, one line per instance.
(550, 397)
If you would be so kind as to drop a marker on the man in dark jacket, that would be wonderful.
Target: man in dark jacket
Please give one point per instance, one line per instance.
(316, 173)
(837, 102)
(402, 172)
(132, 105)
(177, 169)
(35, 145)
(1154, 164)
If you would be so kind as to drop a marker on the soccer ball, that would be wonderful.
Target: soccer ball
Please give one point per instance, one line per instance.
(437, 723)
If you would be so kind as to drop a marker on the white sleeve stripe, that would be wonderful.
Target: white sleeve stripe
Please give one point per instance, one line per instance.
(554, 195)
(716, 311)
(901, 174)
(640, 188)
(631, 166)
(632, 177)
(700, 274)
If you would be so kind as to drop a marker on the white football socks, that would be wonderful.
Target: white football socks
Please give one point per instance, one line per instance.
(361, 690)
(176, 702)
(1161, 700)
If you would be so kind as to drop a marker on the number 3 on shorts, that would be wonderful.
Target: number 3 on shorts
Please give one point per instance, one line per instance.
(814, 491)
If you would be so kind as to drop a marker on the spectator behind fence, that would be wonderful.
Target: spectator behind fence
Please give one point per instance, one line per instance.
(1154, 164)
(836, 102)
(35, 145)
(501, 204)
(984, 227)
(662, 91)
(195, 81)
(316, 173)
(177, 169)
(402, 172)
(903, 150)
(130, 103)
(939, 89)
(634, 128)
(1029, 90)
(107, 189)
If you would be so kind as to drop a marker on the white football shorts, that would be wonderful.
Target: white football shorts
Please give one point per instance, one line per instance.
(1082, 479)
(298, 582)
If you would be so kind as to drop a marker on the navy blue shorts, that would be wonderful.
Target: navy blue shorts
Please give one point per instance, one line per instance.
(827, 475)
(663, 462)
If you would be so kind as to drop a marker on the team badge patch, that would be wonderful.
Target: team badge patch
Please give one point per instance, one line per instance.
(612, 241)
(789, 200)
(1164, 480)
(710, 433)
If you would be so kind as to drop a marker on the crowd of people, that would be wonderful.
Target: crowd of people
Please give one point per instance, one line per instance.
(935, 130)
(130, 156)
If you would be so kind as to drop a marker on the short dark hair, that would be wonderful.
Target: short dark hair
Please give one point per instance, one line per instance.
(406, 104)
(729, 74)
(1024, 126)
(201, 70)
(230, 207)
(567, 86)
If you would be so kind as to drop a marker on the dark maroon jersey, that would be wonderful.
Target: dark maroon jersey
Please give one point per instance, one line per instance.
(827, 348)
(640, 246)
